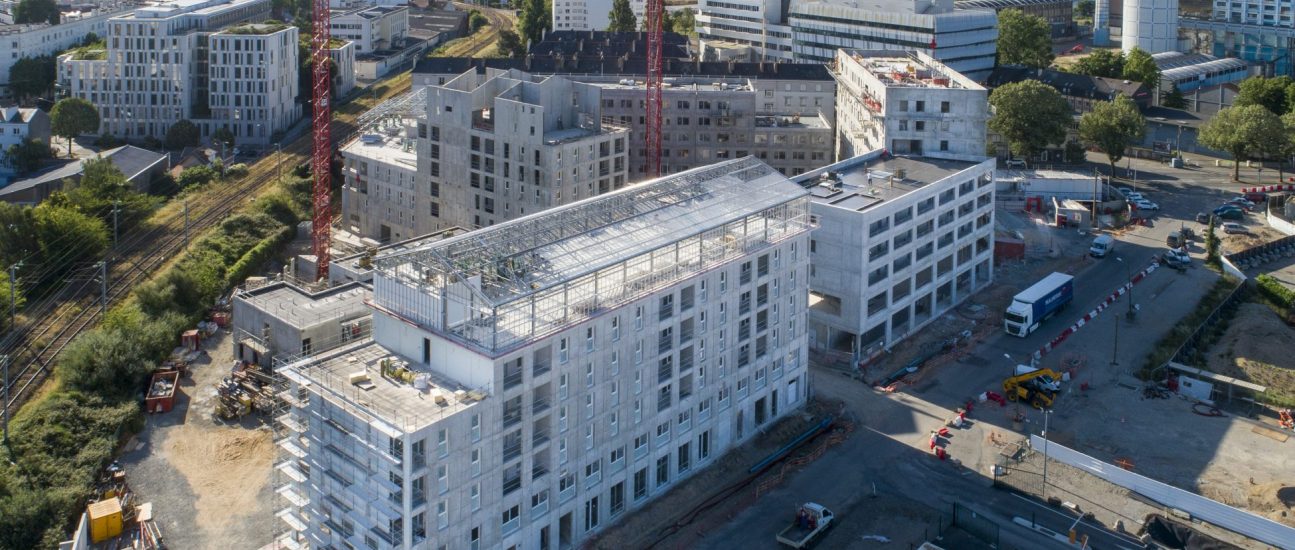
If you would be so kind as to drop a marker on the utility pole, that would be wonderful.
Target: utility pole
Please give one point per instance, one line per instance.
(116, 206)
(13, 295)
(4, 360)
(278, 162)
(1047, 413)
(103, 285)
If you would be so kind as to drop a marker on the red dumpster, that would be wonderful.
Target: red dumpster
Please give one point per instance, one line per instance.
(161, 392)
(190, 340)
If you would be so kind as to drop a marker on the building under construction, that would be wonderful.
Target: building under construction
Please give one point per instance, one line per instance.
(507, 399)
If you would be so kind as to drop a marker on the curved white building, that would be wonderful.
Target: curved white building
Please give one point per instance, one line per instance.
(1151, 25)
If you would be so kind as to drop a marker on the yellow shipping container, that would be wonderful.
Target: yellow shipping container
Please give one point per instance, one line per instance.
(105, 520)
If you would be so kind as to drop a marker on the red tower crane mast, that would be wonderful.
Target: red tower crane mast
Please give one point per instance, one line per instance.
(654, 12)
(322, 152)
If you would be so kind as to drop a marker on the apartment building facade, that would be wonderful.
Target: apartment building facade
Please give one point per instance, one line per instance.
(493, 147)
(900, 241)
(172, 61)
(812, 32)
(1261, 33)
(782, 114)
(907, 103)
(510, 398)
(35, 40)
(371, 28)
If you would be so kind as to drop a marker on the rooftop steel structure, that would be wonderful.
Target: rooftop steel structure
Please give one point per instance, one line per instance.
(508, 284)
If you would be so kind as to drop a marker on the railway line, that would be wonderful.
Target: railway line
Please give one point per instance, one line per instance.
(477, 43)
(75, 307)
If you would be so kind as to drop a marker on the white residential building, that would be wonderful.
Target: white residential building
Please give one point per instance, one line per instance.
(589, 15)
(35, 40)
(344, 56)
(900, 240)
(964, 39)
(166, 62)
(17, 125)
(907, 103)
(491, 147)
(531, 382)
(373, 28)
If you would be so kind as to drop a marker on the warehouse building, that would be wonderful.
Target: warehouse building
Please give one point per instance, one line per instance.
(506, 399)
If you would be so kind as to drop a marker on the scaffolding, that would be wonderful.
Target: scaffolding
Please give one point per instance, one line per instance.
(519, 281)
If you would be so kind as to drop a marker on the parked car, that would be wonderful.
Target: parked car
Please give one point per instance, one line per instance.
(1134, 196)
(1014, 163)
(1126, 191)
(1243, 203)
(1144, 204)
(1230, 214)
(1256, 197)
(1176, 258)
(1202, 218)
(1233, 227)
(1227, 207)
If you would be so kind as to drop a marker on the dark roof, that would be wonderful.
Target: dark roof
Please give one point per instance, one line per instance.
(609, 44)
(1004, 4)
(1070, 84)
(627, 67)
(129, 159)
(437, 20)
(1176, 117)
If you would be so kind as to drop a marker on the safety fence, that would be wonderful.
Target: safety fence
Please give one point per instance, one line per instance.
(1217, 513)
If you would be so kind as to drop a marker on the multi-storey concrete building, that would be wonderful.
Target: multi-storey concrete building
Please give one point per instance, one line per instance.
(531, 382)
(343, 54)
(780, 113)
(491, 147)
(382, 188)
(907, 103)
(167, 62)
(34, 40)
(900, 240)
(1260, 32)
(964, 39)
(371, 28)
(1060, 14)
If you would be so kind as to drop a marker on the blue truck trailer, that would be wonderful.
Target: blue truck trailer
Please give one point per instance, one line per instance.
(1038, 303)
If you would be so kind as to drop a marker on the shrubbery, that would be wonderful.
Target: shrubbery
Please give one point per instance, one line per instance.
(1274, 291)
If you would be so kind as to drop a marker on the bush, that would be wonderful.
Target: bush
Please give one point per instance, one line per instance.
(109, 141)
(1274, 291)
(236, 171)
(259, 255)
(196, 175)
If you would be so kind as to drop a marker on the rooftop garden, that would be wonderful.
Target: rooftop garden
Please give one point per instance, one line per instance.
(90, 52)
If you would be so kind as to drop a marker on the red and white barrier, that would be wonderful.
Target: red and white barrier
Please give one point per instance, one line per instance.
(1088, 317)
(1269, 189)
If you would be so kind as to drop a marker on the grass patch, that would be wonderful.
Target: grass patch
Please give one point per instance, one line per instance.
(1169, 343)
(95, 51)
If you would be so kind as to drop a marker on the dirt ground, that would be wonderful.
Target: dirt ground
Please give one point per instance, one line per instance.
(209, 482)
(1257, 348)
(1236, 242)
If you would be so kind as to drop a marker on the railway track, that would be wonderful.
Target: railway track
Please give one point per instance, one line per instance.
(78, 305)
(477, 43)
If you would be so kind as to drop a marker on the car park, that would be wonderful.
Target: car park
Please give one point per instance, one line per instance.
(1234, 228)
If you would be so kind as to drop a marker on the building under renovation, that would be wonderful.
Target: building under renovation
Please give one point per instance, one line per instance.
(506, 398)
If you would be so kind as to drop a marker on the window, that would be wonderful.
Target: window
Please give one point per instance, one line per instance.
(663, 470)
(640, 484)
(476, 462)
(511, 519)
(442, 443)
(618, 498)
(684, 457)
(944, 106)
(474, 494)
(563, 352)
(442, 515)
(591, 514)
(593, 472)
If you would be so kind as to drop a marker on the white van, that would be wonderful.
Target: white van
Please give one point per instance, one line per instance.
(1101, 246)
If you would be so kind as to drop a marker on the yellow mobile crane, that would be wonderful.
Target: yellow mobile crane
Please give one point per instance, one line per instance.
(1037, 387)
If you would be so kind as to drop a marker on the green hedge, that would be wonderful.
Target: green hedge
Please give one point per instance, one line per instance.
(263, 252)
(1169, 343)
(1275, 291)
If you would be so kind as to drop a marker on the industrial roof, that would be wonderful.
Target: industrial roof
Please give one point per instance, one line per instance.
(129, 159)
(301, 309)
(1190, 72)
(567, 242)
(608, 44)
(627, 67)
(1001, 4)
(1069, 84)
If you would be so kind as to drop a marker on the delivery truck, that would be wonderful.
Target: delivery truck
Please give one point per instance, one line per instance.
(1038, 303)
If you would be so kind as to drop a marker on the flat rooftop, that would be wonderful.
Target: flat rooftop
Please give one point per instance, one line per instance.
(395, 405)
(875, 181)
(301, 309)
(1017, 175)
(908, 70)
(385, 148)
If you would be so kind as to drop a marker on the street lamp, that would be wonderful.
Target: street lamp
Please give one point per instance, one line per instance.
(1047, 414)
(1128, 280)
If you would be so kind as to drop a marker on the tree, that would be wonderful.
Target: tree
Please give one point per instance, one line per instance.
(1139, 66)
(1113, 126)
(1173, 99)
(182, 134)
(1271, 93)
(1211, 242)
(19, 299)
(1283, 146)
(1241, 132)
(36, 11)
(509, 44)
(1024, 39)
(1085, 9)
(684, 21)
(32, 76)
(195, 175)
(621, 18)
(28, 155)
(476, 20)
(66, 236)
(1029, 115)
(1105, 63)
(533, 20)
(1074, 152)
(72, 117)
(224, 136)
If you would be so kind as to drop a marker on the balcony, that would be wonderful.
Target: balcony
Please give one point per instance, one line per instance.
(512, 379)
(541, 404)
(512, 451)
(538, 470)
(511, 485)
(540, 437)
(541, 368)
